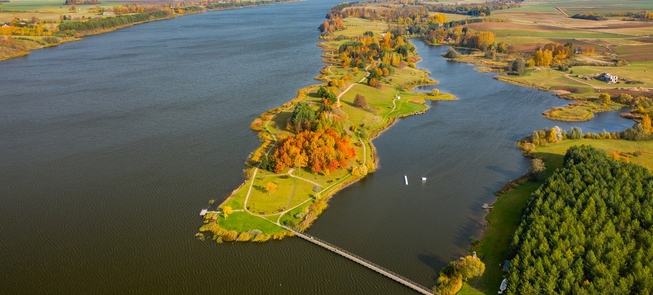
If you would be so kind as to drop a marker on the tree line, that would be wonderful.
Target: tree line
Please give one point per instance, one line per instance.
(587, 230)
(111, 22)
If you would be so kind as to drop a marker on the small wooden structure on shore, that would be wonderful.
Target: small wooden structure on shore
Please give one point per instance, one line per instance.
(205, 211)
(487, 206)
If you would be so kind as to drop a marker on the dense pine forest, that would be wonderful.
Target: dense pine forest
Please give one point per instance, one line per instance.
(587, 230)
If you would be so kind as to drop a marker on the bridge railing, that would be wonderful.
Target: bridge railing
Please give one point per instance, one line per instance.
(374, 266)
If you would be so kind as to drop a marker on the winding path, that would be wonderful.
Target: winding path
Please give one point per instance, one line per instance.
(355, 258)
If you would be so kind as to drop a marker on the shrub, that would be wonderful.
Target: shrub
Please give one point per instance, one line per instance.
(451, 277)
(230, 236)
(452, 53)
(360, 101)
(449, 281)
(605, 98)
(51, 40)
(518, 66)
(575, 133)
(624, 98)
(244, 237)
(536, 169)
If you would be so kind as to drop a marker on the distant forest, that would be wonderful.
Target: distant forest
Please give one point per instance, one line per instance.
(587, 230)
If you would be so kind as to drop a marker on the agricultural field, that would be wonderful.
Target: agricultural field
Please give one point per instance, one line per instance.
(48, 10)
(620, 47)
(539, 22)
(358, 26)
(599, 6)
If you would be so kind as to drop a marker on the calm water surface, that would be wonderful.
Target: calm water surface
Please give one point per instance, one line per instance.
(111, 146)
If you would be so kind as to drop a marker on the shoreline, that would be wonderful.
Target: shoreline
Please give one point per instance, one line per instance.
(83, 34)
(581, 109)
(342, 178)
(514, 194)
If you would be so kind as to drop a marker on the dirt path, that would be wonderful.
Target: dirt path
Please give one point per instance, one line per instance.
(561, 11)
(352, 85)
(274, 138)
(584, 82)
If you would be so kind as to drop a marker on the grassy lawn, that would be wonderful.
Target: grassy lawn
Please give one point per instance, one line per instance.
(504, 219)
(358, 26)
(621, 146)
(542, 78)
(506, 214)
(640, 71)
(242, 222)
(289, 193)
(580, 111)
(236, 202)
(579, 88)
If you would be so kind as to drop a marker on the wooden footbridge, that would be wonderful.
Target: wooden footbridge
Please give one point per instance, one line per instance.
(364, 262)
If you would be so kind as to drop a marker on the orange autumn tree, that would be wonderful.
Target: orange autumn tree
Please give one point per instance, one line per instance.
(323, 151)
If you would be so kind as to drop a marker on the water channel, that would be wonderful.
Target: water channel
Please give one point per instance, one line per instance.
(111, 146)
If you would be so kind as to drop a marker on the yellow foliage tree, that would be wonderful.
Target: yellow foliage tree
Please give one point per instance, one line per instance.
(438, 18)
(543, 57)
(552, 137)
(271, 187)
(449, 283)
(471, 267)
(485, 40)
(646, 123)
(226, 211)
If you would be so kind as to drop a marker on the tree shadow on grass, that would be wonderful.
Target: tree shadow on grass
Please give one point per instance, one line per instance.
(260, 188)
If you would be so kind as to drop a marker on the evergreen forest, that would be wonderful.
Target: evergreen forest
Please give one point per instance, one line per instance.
(587, 230)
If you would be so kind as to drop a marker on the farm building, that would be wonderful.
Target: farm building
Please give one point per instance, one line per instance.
(608, 78)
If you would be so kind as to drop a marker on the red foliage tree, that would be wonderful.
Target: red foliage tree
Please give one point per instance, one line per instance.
(323, 151)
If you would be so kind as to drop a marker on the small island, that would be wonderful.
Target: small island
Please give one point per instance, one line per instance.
(321, 141)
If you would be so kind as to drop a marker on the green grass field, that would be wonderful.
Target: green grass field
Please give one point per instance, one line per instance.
(580, 112)
(242, 222)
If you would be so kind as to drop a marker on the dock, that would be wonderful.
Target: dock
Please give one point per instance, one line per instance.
(205, 211)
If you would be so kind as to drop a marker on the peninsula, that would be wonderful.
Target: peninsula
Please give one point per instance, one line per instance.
(321, 141)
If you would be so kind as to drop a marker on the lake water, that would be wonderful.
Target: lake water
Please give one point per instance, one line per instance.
(111, 146)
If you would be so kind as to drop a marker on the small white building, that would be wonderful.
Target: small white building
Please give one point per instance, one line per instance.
(608, 78)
